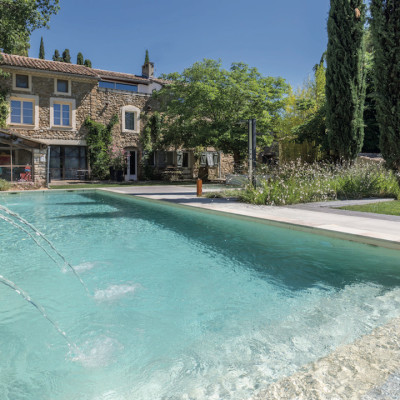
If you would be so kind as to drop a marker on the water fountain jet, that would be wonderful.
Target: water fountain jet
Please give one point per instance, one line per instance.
(41, 235)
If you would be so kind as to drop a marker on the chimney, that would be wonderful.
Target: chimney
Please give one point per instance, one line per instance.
(148, 69)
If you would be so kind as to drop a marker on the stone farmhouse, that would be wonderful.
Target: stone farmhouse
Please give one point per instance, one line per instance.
(49, 102)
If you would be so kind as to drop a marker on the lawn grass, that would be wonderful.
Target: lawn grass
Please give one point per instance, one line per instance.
(386, 207)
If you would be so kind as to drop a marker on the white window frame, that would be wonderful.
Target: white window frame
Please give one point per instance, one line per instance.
(136, 111)
(72, 104)
(14, 83)
(62, 93)
(25, 97)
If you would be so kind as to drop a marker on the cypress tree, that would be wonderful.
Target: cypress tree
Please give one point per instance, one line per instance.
(371, 127)
(345, 78)
(147, 58)
(41, 49)
(56, 56)
(79, 59)
(385, 26)
(66, 57)
(88, 63)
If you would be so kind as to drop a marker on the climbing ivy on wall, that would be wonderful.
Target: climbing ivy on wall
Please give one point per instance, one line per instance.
(99, 139)
(4, 109)
(150, 136)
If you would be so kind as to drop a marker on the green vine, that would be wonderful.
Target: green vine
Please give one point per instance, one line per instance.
(150, 138)
(4, 108)
(99, 139)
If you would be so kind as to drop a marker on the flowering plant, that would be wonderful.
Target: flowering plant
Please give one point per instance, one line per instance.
(117, 158)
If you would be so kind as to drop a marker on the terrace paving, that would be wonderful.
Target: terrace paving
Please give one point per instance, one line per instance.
(369, 368)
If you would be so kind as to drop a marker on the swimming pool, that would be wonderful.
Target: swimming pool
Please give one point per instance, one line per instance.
(182, 304)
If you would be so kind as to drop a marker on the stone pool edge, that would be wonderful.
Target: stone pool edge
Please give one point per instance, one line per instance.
(311, 222)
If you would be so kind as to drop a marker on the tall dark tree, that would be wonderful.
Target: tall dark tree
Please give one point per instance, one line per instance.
(56, 56)
(345, 78)
(79, 59)
(41, 49)
(371, 126)
(66, 57)
(385, 25)
(87, 63)
(147, 58)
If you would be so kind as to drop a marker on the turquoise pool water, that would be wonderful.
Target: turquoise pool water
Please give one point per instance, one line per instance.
(182, 305)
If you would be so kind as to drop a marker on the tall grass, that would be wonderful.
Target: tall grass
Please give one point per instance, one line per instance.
(296, 182)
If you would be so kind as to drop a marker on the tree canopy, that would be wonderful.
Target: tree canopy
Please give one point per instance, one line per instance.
(207, 105)
(41, 49)
(66, 57)
(79, 59)
(19, 18)
(56, 56)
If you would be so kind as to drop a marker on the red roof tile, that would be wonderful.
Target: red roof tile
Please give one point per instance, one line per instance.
(74, 69)
(46, 65)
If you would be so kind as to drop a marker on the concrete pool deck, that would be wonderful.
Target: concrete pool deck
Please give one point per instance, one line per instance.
(375, 229)
(369, 368)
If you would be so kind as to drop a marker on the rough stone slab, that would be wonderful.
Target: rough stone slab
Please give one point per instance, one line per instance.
(365, 369)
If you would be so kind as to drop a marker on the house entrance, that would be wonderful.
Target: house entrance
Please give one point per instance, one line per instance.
(131, 173)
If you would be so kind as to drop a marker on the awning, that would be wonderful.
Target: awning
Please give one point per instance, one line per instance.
(19, 141)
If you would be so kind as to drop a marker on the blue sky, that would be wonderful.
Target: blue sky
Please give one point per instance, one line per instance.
(280, 38)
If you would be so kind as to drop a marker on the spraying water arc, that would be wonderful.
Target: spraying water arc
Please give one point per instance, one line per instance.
(41, 235)
(27, 298)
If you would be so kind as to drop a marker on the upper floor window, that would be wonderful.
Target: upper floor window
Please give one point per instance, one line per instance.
(62, 113)
(22, 111)
(22, 82)
(118, 86)
(62, 86)
(130, 119)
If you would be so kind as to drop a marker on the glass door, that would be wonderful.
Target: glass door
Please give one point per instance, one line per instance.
(132, 166)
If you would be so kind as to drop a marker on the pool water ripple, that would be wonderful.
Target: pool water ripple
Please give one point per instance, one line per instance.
(185, 305)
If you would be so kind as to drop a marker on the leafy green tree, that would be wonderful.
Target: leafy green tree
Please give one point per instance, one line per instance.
(87, 63)
(147, 58)
(56, 56)
(79, 59)
(66, 57)
(206, 105)
(19, 18)
(41, 49)
(345, 78)
(313, 130)
(303, 104)
(385, 26)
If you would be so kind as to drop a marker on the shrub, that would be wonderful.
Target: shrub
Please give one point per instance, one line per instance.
(296, 182)
(4, 185)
